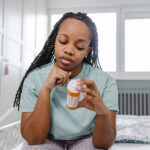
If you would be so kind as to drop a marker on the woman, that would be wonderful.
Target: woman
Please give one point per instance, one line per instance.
(71, 52)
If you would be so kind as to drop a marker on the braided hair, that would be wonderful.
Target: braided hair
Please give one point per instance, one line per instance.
(47, 53)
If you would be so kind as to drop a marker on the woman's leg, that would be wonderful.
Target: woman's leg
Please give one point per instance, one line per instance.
(48, 145)
(83, 144)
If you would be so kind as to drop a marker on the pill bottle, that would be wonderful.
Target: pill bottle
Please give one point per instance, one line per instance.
(73, 95)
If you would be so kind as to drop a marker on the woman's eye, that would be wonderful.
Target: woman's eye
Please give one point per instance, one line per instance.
(80, 48)
(63, 42)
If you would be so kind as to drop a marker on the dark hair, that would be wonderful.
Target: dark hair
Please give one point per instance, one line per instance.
(47, 53)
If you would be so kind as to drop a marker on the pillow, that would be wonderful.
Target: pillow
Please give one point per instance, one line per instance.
(133, 129)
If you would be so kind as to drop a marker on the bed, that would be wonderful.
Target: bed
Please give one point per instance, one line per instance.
(133, 133)
(129, 146)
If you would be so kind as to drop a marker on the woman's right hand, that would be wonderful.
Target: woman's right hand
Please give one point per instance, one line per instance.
(56, 77)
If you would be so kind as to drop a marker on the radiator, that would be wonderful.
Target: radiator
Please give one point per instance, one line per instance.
(134, 102)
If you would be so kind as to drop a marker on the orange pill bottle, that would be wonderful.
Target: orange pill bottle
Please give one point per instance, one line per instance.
(73, 95)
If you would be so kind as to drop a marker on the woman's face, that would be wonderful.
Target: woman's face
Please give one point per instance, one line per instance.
(72, 45)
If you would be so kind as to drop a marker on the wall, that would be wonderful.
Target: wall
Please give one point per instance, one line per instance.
(23, 31)
(91, 5)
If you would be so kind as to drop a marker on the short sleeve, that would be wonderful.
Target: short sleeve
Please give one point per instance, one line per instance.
(110, 94)
(29, 95)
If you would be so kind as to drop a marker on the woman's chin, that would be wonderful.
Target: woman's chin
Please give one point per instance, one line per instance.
(64, 67)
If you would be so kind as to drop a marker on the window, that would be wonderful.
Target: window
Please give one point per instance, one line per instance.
(123, 35)
(137, 45)
(106, 27)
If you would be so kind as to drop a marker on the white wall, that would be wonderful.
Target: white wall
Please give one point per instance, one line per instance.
(93, 3)
(23, 31)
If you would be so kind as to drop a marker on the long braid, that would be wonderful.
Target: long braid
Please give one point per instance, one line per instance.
(44, 57)
(47, 53)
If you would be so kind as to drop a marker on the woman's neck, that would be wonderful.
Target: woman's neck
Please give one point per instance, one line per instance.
(76, 71)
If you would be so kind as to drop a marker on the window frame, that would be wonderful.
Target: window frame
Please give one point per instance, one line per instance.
(121, 14)
(125, 15)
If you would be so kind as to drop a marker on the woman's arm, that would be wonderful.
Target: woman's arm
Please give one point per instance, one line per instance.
(105, 130)
(35, 125)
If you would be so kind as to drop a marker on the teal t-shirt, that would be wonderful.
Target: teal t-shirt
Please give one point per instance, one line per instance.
(68, 124)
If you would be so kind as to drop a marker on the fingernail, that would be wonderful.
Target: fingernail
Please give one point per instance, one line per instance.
(84, 94)
(78, 88)
(78, 79)
(70, 73)
(78, 84)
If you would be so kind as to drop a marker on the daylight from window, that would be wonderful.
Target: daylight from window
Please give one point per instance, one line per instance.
(137, 45)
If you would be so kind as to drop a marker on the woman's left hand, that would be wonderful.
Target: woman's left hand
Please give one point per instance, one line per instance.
(92, 99)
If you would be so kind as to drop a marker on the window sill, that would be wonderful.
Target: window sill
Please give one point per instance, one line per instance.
(131, 75)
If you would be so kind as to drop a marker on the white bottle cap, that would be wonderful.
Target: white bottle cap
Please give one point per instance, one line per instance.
(72, 85)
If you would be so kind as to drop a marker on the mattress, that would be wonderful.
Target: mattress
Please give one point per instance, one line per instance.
(119, 146)
(130, 146)
(133, 133)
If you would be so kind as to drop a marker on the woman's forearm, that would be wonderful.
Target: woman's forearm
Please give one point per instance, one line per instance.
(104, 134)
(37, 125)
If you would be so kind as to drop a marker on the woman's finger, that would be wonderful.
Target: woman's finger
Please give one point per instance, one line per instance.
(86, 104)
(90, 99)
(59, 79)
(88, 83)
(86, 90)
(64, 76)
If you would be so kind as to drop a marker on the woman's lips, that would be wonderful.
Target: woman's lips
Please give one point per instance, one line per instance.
(66, 61)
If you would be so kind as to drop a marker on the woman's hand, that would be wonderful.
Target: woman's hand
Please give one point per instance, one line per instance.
(92, 99)
(56, 77)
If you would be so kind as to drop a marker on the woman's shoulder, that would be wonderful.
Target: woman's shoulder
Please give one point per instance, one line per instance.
(40, 71)
(98, 73)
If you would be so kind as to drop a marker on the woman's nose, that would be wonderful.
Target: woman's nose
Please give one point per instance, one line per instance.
(69, 50)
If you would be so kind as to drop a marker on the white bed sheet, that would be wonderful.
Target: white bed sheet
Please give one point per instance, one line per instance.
(129, 127)
(119, 146)
(18, 147)
(129, 146)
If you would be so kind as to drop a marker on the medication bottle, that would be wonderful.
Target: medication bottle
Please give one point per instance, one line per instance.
(73, 95)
